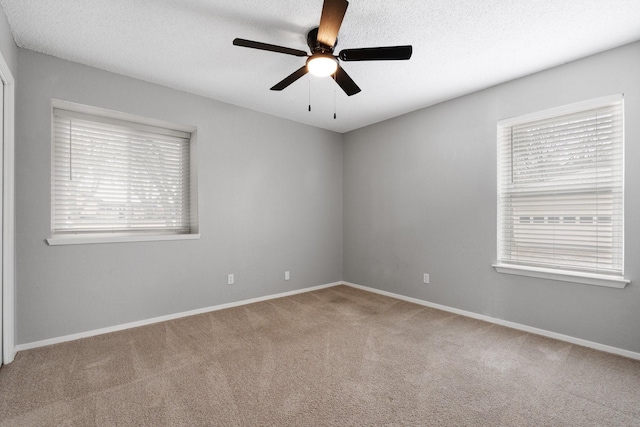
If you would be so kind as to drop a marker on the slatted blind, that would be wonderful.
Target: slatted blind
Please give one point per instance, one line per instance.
(560, 185)
(116, 176)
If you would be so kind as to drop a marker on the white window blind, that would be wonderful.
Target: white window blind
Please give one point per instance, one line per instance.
(560, 185)
(115, 176)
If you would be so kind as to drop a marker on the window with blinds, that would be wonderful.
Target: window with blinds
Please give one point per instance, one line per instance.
(560, 189)
(117, 176)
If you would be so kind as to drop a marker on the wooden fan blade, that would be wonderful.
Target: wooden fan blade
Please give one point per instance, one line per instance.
(270, 47)
(345, 82)
(330, 21)
(389, 53)
(290, 78)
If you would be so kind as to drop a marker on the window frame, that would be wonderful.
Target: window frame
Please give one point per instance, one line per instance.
(583, 277)
(137, 121)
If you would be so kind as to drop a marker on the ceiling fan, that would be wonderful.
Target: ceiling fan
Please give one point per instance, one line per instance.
(322, 41)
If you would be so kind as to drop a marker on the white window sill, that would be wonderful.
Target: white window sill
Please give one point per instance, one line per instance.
(564, 276)
(87, 239)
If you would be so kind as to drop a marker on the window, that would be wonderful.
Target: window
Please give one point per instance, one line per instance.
(118, 177)
(560, 193)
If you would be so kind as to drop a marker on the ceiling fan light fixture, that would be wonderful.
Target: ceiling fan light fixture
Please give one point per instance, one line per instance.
(322, 64)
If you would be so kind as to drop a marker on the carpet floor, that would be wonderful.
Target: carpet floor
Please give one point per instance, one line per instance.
(333, 357)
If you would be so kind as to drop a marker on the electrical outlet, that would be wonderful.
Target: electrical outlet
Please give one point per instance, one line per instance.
(425, 278)
(230, 279)
(287, 276)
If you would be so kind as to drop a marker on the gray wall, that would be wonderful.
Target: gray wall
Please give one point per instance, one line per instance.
(420, 196)
(416, 194)
(270, 201)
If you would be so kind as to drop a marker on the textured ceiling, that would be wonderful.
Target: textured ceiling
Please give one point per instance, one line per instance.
(459, 46)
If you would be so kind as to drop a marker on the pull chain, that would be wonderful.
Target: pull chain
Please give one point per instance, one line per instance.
(70, 151)
(309, 94)
(334, 103)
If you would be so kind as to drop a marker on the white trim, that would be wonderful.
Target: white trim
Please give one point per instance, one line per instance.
(117, 118)
(86, 334)
(115, 238)
(563, 276)
(8, 216)
(562, 110)
(501, 322)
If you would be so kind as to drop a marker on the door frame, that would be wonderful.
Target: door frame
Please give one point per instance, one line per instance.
(8, 216)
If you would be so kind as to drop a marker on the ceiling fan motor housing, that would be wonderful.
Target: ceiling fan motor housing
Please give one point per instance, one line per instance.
(315, 46)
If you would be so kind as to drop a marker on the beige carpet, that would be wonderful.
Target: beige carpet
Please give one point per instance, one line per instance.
(335, 357)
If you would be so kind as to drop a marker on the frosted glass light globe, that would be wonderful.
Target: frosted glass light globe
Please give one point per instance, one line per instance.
(322, 64)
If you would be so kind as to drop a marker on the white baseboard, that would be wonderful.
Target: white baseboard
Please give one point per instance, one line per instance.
(513, 325)
(86, 334)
